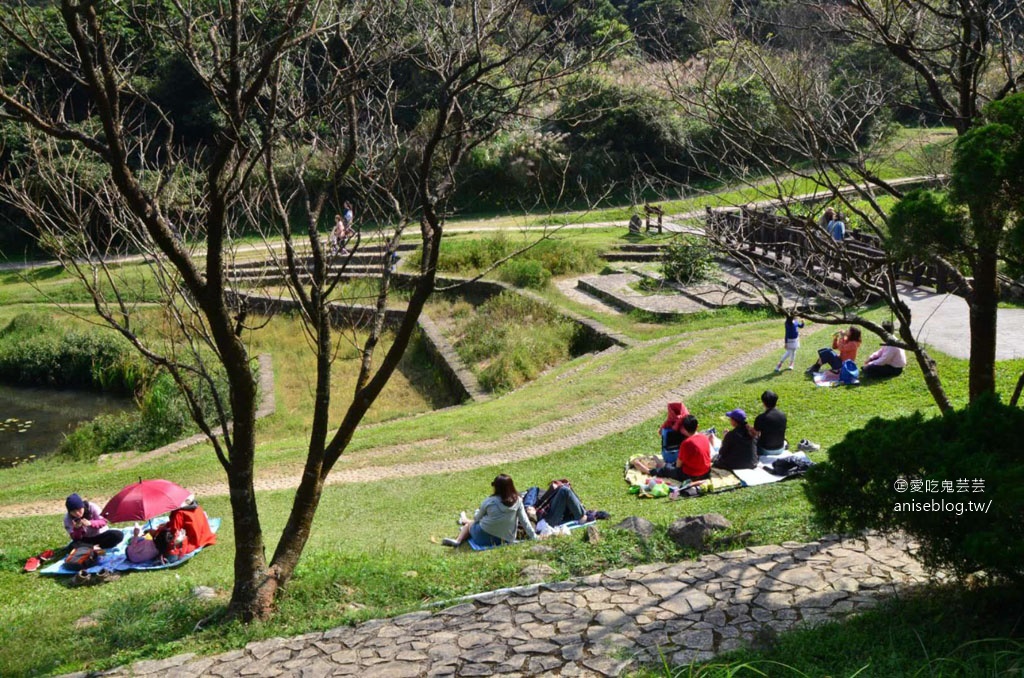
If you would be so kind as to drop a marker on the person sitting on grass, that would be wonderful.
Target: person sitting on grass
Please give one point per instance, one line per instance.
(671, 433)
(495, 522)
(887, 361)
(844, 347)
(770, 426)
(85, 525)
(738, 450)
(694, 462)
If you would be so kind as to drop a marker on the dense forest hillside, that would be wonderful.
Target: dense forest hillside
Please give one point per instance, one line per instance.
(623, 128)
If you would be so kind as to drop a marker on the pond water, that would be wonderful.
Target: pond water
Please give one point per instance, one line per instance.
(34, 421)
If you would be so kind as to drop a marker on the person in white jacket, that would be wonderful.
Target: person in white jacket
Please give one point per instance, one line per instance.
(497, 519)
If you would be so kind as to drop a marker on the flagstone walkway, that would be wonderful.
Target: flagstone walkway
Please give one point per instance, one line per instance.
(601, 625)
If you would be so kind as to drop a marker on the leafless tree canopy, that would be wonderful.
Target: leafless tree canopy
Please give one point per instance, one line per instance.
(309, 105)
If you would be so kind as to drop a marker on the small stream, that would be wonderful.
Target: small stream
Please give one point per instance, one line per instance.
(34, 421)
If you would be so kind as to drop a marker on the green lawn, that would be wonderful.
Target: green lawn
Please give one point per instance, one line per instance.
(371, 552)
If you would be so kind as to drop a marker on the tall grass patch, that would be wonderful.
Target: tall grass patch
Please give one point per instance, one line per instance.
(532, 268)
(163, 416)
(35, 350)
(511, 339)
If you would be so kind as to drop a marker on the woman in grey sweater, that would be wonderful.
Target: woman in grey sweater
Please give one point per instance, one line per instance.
(495, 522)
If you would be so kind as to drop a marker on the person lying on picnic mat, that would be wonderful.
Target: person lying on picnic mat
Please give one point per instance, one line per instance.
(84, 524)
(495, 522)
(186, 530)
(694, 462)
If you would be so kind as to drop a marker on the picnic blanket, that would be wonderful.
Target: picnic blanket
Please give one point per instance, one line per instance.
(720, 480)
(114, 559)
(829, 378)
(753, 477)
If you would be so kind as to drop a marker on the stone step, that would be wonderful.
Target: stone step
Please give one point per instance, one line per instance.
(632, 256)
(639, 248)
(356, 259)
(273, 277)
(304, 256)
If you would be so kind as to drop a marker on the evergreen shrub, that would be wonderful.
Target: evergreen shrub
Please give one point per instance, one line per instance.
(862, 486)
(688, 260)
(525, 273)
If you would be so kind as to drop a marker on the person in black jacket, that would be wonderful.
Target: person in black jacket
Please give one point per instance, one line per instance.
(738, 449)
(770, 426)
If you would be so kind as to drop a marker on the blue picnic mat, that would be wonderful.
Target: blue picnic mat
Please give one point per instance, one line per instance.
(115, 559)
(572, 525)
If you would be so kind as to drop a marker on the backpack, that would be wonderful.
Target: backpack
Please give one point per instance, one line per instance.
(141, 550)
(848, 373)
(81, 557)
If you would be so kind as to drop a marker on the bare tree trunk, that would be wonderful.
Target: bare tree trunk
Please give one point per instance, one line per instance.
(272, 121)
(932, 380)
(1016, 392)
(983, 319)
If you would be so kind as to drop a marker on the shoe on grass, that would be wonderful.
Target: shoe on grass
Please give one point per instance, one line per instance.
(105, 575)
(81, 578)
(807, 446)
(448, 541)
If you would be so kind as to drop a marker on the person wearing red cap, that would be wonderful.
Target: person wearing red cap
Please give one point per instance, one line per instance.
(84, 524)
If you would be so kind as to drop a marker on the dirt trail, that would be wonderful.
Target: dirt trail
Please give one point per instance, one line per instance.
(611, 416)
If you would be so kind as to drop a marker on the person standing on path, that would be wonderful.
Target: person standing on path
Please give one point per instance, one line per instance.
(837, 229)
(826, 219)
(792, 341)
(342, 230)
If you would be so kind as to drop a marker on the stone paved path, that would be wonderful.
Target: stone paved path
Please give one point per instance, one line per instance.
(599, 625)
(942, 320)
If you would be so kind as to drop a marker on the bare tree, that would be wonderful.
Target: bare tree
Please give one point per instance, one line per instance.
(307, 107)
(813, 124)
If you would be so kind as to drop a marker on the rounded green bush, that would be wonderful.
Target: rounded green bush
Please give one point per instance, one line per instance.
(954, 483)
(525, 273)
(688, 260)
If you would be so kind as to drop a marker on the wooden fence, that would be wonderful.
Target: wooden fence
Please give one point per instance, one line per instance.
(779, 238)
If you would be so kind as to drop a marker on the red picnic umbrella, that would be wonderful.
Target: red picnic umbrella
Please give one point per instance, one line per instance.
(144, 500)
